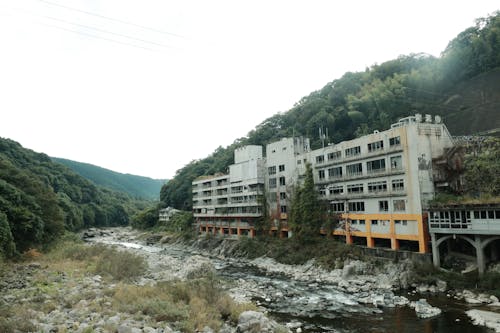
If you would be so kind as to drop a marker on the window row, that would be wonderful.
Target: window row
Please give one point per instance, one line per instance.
(356, 169)
(359, 206)
(397, 185)
(354, 151)
(272, 169)
(272, 182)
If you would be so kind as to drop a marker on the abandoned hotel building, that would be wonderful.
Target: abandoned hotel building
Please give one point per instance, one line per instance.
(379, 184)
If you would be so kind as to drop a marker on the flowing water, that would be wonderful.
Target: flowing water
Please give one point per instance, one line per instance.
(321, 307)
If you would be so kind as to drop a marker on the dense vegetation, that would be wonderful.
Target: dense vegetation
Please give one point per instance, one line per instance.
(40, 199)
(136, 186)
(461, 86)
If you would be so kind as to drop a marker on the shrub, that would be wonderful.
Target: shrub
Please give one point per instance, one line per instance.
(121, 265)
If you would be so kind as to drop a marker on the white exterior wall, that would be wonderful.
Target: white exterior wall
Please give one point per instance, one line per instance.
(247, 153)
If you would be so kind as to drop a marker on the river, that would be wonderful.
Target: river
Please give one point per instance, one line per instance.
(313, 306)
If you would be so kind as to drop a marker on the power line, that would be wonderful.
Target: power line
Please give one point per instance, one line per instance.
(109, 32)
(111, 18)
(98, 37)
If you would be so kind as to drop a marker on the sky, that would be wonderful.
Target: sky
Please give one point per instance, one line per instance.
(145, 87)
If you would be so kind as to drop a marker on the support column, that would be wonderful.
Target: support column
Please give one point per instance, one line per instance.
(370, 242)
(238, 230)
(435, 251)
(348, 238)
(479, 255)
(394, 243)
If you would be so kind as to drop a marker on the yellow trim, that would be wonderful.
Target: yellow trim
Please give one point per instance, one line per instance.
(421, 236)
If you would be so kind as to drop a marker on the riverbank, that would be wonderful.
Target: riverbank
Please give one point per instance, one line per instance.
(95, 288)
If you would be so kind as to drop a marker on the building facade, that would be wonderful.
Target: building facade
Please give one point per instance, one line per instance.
(379, 184)
(229, 204)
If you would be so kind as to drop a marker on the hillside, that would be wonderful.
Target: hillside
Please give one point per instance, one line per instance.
(461, 86)
(39, 199)
(135, 186)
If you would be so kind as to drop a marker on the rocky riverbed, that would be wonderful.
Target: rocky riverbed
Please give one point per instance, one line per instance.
(302, 298)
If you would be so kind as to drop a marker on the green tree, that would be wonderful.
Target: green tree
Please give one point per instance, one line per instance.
(306, 216)
(7, 245)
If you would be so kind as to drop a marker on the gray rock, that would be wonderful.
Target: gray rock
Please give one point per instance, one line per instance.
(148, 329)
(425, 310)
(253, 321)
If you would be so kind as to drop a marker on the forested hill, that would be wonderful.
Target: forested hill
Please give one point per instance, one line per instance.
(135, 186)
(461, 85)
(39, 199)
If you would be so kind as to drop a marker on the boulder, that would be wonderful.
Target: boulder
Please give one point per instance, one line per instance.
(424, 309)
(253, 321)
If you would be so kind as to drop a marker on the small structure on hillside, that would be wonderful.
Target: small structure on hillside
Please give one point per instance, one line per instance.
(165, 214)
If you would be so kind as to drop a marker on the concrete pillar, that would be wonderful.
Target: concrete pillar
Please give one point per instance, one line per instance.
(370, 242)
(238, 230)
(348, 239)
(435, 251)
(394, 243)
(480, 255)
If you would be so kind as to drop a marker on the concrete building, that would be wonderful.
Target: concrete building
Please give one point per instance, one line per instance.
(228, 204)
(165, 214)
(476, 224)
(282, 174)
(379, 184)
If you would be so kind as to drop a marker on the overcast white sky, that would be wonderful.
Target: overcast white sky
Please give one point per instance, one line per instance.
(144, 87)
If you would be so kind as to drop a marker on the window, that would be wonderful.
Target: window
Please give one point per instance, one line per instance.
(374, 222)
(282, 196)
(355, 188)
(357, 206)
(383, 205)
(334, 156)
(320, 159)
(396, 163)
(361, 222)
(271, 170)
(337, 206)
(376, 166)
(399, 205)
(353, 151)
(395, 141)
(374, 146)
(377, 186)
(272, 182)
(281, 168)
(321, 174)
(322, 190)
(282, 181)
(299, 162)
(272, 196)
(354, 169)
(283, 209)
(398, 185)
(338, 189)
(335, 172)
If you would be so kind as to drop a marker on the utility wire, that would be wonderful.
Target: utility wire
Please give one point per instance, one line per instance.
(111, 18)
(109, 32)
(98, 37)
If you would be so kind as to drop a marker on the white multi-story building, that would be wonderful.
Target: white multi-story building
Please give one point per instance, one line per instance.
(379, 184)
(282, 174)
(229, 203)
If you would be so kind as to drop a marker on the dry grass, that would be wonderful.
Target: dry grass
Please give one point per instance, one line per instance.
(192, 304)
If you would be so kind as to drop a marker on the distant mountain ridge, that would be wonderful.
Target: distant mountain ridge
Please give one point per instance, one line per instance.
(135, 186)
